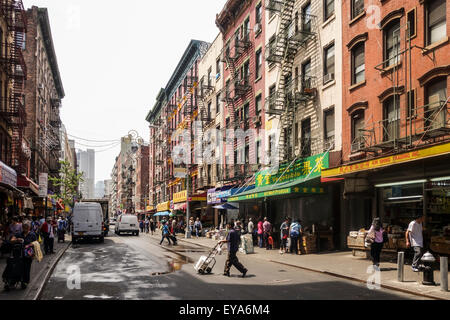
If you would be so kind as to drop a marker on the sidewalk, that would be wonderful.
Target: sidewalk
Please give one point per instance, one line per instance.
(39, 273)
(344, 264)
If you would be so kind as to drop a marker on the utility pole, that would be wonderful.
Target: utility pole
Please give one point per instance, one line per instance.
(188, 212)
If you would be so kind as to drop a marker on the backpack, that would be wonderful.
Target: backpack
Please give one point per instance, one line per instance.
(295, 230)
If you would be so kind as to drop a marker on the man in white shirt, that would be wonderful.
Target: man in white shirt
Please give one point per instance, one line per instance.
(251, 229)
(414, 239)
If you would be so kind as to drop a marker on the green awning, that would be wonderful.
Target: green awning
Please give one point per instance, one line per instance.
(296, 187)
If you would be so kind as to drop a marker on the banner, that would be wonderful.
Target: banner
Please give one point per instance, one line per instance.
(43, 185)
(303, 168)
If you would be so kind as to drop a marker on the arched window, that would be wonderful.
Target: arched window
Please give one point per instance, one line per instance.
(391, 36)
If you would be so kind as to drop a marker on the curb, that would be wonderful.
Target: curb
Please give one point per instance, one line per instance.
(37, 296)
(345, 277)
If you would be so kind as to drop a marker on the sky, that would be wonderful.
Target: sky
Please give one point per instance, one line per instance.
(114, 57)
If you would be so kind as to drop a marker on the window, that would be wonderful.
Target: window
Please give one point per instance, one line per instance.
(357, 126)
(272, 97)
(246, 111)
(357, 8)
(218, 69)
(411, 95)
(358, 64)
(258, 103)
(411, 20)
(258, 152)
(436, 96)
(306, 15)
(329, 128)
(246, 29)
(391, 118)
(306, 75)
(258, 18)
(306, 138)
(392, 44)
(258, 63)
(436, 24)
(328, 7)
(218, 103)
(328, 64)
(296, 134)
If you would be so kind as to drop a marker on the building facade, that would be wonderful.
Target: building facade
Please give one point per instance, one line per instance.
(43, 95)
(141, 193)
(86, 165)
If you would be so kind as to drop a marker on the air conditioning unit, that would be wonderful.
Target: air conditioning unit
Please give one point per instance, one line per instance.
(257, 120)
(258, 28)
(329, 77)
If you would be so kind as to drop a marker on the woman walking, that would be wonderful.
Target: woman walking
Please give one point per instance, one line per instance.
(152, 226)
(28, 238)
(376, 238)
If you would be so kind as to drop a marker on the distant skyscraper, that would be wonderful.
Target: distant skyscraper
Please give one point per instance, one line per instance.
(99, 190)
(86, 165)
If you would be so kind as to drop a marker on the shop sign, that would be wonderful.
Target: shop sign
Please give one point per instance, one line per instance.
(303, 168)
(212, 197)
(223, 195)
(179, 172)
(43, 185)
(165, 206)
(8, 175)
(279, 192)
(388, 161)
(180, 197)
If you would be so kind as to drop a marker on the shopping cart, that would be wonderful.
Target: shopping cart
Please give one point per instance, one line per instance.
(206, 263)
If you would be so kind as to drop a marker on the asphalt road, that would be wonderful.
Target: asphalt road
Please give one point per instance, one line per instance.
(138, 268)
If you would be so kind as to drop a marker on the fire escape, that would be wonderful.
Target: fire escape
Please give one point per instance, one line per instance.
(13, 109)
(236, 89)
(282, 51)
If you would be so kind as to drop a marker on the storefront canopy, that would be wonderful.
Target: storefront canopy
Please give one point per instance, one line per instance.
(296, 187)
(162, 214)
(225, 206)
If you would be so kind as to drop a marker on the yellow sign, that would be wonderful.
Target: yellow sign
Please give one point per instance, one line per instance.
(180, 197)
(388, 161)
(165, 206)
(269, 125)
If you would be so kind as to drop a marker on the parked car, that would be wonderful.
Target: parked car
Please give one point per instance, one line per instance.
(88, 222)
(127, 224)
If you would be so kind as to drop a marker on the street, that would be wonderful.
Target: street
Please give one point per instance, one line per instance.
(138, 268)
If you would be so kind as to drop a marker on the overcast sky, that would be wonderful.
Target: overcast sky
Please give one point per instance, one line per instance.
(114, 56)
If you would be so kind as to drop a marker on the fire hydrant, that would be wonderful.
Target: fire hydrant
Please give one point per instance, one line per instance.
(428, 271)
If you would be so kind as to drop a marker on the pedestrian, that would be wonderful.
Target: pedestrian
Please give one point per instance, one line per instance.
(174, 226)
(233, 247)
(191, 225)
(376, 238)
(198, 227)
(238, 228)
(15, 228)
(141, 226)
(260, 233)
(165, 233)
(47, 230)
(28, 238)
(62, 225)
(267, 228)
(152, 226)
(295, 231)
(269, 242)
(147, 225)
(414, 240)
(284, 232)
(251, 230)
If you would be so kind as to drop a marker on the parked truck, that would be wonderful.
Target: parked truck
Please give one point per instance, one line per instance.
(105, 208)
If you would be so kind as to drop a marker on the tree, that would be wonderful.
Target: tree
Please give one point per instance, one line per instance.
(68, 182)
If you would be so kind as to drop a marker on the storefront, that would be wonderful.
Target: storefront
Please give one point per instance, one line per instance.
(295, 191)
(197, 206)
(11, 198)
(398, 189)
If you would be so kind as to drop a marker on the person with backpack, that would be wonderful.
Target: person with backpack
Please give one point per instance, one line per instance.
(295, 234)
(198, 227)
(62, 226)
(165, 233)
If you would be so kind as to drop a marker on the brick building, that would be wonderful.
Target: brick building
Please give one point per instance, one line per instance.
(142, 179)
(43, 95)
(395, 123)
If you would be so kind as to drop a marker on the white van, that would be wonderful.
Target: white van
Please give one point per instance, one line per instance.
(127, 223)
(87, 221)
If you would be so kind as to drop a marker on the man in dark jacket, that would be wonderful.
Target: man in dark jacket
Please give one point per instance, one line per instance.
(233, 247)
